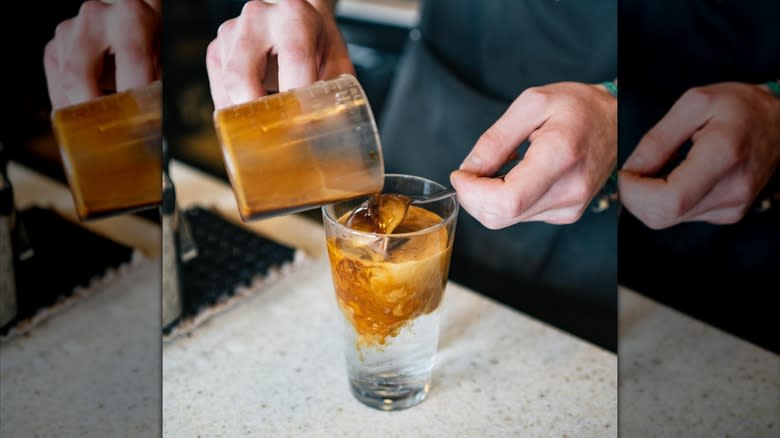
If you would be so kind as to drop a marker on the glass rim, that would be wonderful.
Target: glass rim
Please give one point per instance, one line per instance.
(444, 222)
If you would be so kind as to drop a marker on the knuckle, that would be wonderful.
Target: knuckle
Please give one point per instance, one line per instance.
(580, 191)
(742, 191)
(509, 207)
(571, 152)
(731, 218)
(295, 8)
(656, 223)
(697, 96)
(50, 54)
(736, 215)
(672, 206)
(534, 96)
(571, 216)
(90, 9)
(734, 149)
(490, 222)
(63, 28)
(255, 8)
(654, 219)
(212, 55)
(132, 7)
(226, 27)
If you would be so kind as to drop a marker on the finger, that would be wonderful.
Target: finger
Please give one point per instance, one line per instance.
(494, 147)
(643, 198)
(214, 71)
(733, 191)
(296, 47)
(51, 68)
(245, 49)
(134, 67)
(546, 160)
(715, 152)
(132, 40)
(657, 146)
(570, 193)
(81, 53)
(483, 198)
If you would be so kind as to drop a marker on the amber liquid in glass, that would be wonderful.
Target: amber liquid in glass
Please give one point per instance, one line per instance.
(384, 283)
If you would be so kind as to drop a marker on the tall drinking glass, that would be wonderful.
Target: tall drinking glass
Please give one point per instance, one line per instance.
(389, 287)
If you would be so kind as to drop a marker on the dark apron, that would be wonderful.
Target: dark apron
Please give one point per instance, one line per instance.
(472, 59)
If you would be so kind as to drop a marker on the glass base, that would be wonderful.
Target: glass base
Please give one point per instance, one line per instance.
(389, 396)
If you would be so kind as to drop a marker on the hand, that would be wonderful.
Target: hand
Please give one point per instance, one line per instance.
(735, 133)
(572, 128)
(274, 47)
(76, 60)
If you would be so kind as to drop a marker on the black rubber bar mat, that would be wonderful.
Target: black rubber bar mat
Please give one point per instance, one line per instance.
(232, 263)
(66, 256)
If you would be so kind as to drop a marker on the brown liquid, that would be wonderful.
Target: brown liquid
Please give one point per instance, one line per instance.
(382, 287)
(111, 149)
(274, 165)
(379, 213)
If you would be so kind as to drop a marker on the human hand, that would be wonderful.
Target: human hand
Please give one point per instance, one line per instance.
(274, 47)
(77, 60)
(735, 133)
(572, 129)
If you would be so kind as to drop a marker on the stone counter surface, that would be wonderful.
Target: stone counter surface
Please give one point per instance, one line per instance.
(273, 367)
(682, 377)
(92, 370)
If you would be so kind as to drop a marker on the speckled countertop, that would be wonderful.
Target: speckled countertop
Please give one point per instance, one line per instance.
(681, 377)
(91, 370)
(273, 367)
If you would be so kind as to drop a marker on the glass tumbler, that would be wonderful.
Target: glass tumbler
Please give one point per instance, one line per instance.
(388, 288)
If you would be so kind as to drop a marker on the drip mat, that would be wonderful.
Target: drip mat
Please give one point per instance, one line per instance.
(231, 265)
(67, 260)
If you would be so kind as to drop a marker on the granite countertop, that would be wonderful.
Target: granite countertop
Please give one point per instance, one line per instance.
(273, 365)
(682, 377)
(93, 367)
(91, 370)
